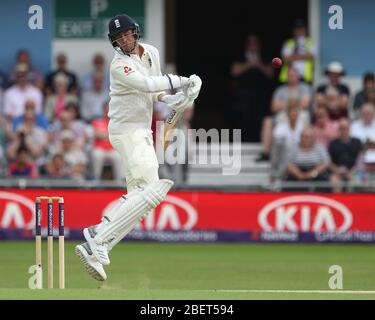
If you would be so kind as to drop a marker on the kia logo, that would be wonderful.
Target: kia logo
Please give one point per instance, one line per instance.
(305, 213)
(173, 213)
(13, 213)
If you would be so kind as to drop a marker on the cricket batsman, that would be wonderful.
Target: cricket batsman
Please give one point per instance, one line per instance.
(135, 83)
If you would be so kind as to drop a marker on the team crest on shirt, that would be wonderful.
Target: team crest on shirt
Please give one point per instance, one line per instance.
(128, 70)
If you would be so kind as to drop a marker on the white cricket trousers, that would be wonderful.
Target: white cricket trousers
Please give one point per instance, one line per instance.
(138, 156)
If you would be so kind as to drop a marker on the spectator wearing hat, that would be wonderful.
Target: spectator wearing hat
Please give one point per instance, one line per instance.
(299, 52)
(75, 159)
(34, 76)
(72, 84)
(334, 94)
(367, 94)
(366, 163)
(344, 152)
(364, 127)
(16, 96)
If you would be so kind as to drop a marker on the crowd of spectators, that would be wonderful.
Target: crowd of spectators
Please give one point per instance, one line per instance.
(311, 131)
(328, 139)
(55, 125)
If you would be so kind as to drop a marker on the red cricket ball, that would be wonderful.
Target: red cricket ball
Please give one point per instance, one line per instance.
(276, 62)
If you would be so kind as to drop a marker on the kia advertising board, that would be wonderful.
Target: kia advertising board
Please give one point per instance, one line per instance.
(202, 216)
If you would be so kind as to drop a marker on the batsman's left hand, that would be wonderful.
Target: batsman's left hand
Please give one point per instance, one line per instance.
(194, 87)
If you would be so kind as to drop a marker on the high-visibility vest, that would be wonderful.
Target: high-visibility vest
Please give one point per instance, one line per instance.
(309, 64)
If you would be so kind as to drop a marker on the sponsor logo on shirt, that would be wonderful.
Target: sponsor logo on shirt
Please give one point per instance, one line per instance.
(128, 70)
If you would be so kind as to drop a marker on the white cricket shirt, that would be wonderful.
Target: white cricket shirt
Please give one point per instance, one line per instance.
(135, 83)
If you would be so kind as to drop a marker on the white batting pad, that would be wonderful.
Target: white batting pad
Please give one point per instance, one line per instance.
(112, 214)
(124, 232)
(133, 209)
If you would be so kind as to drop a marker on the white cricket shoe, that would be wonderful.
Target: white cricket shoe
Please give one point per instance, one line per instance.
(100, 251)
(92, 265)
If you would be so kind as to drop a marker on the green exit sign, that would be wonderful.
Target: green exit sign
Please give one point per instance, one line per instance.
(89, 18)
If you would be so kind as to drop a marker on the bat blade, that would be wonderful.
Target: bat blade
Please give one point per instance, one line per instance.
(170, 125)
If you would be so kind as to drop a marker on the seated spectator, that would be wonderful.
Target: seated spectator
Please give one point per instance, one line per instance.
(331, 103)
(67, 121)
(56, 167)
(22, 166)
(293, 90)
(41, 120)
(366, 162)
(94, 98)
(34, 76)
(82, 129)
(102, 149)
(286, 136)
(98, 66)
(325, 130)
(16, 96)
(74, 157)
(344, 152)
(366, 95)
(309, 161)
(365, 125)
(61, 61)
(29, 135)
(55, 103)
(326, 93)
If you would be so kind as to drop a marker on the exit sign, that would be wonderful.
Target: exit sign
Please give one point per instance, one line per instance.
(89, 18)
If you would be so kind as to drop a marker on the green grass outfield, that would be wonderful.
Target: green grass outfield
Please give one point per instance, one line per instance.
(199, 271)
